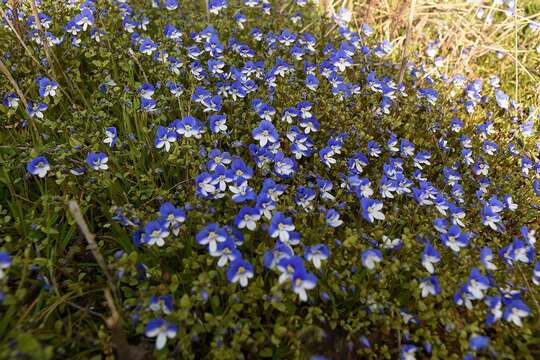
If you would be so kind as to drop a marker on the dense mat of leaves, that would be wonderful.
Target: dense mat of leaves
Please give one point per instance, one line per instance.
(260, 185)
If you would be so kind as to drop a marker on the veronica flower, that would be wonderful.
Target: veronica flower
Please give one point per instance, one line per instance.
(324, 189)
(408, 352)
(85, 19)
(227, 252)
(430, 286)
(147, 46)
(162, 303)
(265, 133)
(455, 239)
(430, 256)
(491, 218)
(218, 158)
(502, 99)
(477, 284)
(536, 273)
(486, 257)
(211, 235)
(36, 109)
(478, 342)
(171, 4)
(189, 127)
(371, 257)
(317, 253)
(332, 218)
(284, 167)
(98, 161)
(247, 218)
(515, 311)
(148, 105)
(146, 90)
(155, 233)
(374, 149)
(311, 82)
(5, 263)
(172, 216)
(391, 244)
(47, 87)
(112, 136)
(357, 162)
(164, 138)
(325, 155)
(371, 209)
(215, 6)
(303, 280)
(281, 227)
(495, 309)
(11, 100)
(310, 124)
(38, 166)
(161, 330)
(288, 265)
(280, 251)
(242, 191)
(240, 271)
(212, 104)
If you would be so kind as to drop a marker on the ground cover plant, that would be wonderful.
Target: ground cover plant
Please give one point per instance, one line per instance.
(251, 179)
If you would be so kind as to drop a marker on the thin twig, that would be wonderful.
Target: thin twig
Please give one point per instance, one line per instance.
(407, 41)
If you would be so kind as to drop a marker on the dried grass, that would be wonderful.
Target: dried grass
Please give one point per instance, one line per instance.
(468, 44)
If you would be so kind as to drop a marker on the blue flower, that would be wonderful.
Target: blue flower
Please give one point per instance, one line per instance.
(408, 352)
(247, 218)
(478, 342)
(332, 218)
(370, 257)
(148, 105)
(371, 209)
(211, 235)
(112, 136)
(189, 127)
(5, 263)
(240, 271)
(155, 233)
(217, 123)
(281, 227)
(226, 252)
(265, 133)
(36, 110)
(455, 239)
(502, 99)
(161, 330)
(171, 4)
(11, 100)
(242, 191)
(164, 138)
(477, 284)
(38, 166)
(98, 161)
(303, 280)
(515, 311)
(287, 266)
(272, 257)
(430, 256)
(147, 46)
(162, 303)
(172, 217)
(486, 257)
(536, 273)
(317, 253)
(146, 90)
(430, 286)
(47, 87)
